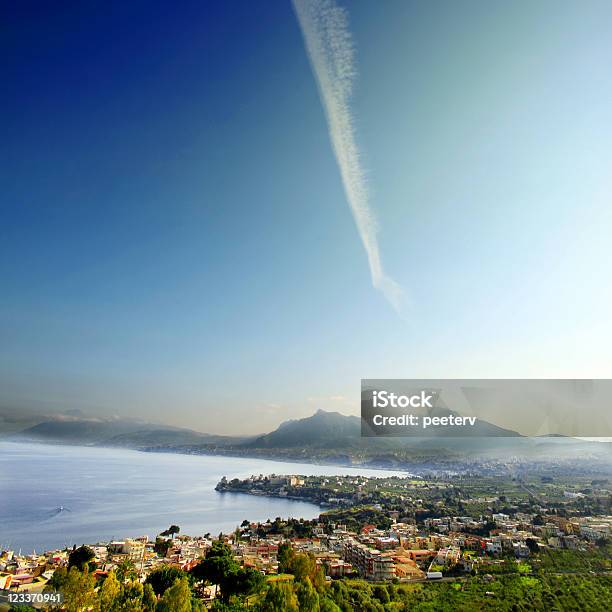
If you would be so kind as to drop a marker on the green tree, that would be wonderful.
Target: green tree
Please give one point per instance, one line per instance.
(304, 565)
(219, 606)
(80, 557)
(60, 575)
(110, 593)
(220, 568)
(532, 545)
(162, 546)
(177, 598)
(280, 598)
(327, 605)
(149, 599)
(381, 593)
(78, 591)
(164, 577)
(248, 581)
(307, 596)
(126, 570)
(171, 531)
(285, 556)
(131, 596)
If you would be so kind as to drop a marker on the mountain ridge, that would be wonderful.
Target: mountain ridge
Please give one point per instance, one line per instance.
(324, 437)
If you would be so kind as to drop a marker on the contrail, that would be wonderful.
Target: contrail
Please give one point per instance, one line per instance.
(331, 52)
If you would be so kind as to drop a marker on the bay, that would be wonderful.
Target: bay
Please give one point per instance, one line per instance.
(53, 496)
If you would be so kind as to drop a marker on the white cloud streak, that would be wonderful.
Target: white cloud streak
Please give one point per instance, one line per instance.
(331, 52)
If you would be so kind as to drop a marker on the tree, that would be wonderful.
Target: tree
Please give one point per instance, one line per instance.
(220, 568)
(285, 556)
(602, 542)
(171, 531)
(280, 598)
(126, 570)
(164, 577)
(381, 593)
(149, 599)
(532, 545)
(162, 546)
(60, 575)
(248, 581)
(327, 605)
(303, 566)
(131, 596)
(219, 606)
(80, 557)
(78, 591)
(177, 598)
(308, 598)
(110, 593)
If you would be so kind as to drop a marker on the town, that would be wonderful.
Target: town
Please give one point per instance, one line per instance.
(461, 538)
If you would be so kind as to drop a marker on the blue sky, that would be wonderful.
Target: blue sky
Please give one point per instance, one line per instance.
(175, 241)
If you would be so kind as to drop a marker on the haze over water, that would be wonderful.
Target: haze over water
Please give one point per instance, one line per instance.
(114, 493)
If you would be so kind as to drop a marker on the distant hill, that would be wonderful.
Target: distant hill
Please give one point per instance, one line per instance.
(150, 438)
(14, 419)
(335, 431)
(85, 431)
(322, 430)
(124, 433)
(327, 437)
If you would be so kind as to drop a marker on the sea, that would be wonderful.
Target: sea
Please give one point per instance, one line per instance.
(54, 496)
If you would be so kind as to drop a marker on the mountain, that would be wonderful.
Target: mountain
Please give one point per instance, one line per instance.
(151, 438)
(146, 438)
(116, 432)
(325, 437)
(83, 430)
(14, 419)
(332, 433)
(332, 437)
(321, 430)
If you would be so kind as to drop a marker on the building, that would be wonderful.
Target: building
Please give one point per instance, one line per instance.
(133, 550)
(494, 547)
(370, 563)
(448, 556)
(420, 555)
(406, 568)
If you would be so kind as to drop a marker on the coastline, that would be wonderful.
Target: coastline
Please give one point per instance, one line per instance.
(107, 493)
(404, 468)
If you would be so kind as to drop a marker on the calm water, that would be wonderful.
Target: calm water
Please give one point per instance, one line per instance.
(110, 493)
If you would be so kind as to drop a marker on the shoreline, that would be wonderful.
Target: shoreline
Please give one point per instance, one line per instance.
(198, 509)
(210, 453)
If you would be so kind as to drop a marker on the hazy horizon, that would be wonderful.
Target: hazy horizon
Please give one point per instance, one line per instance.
(77, 414)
